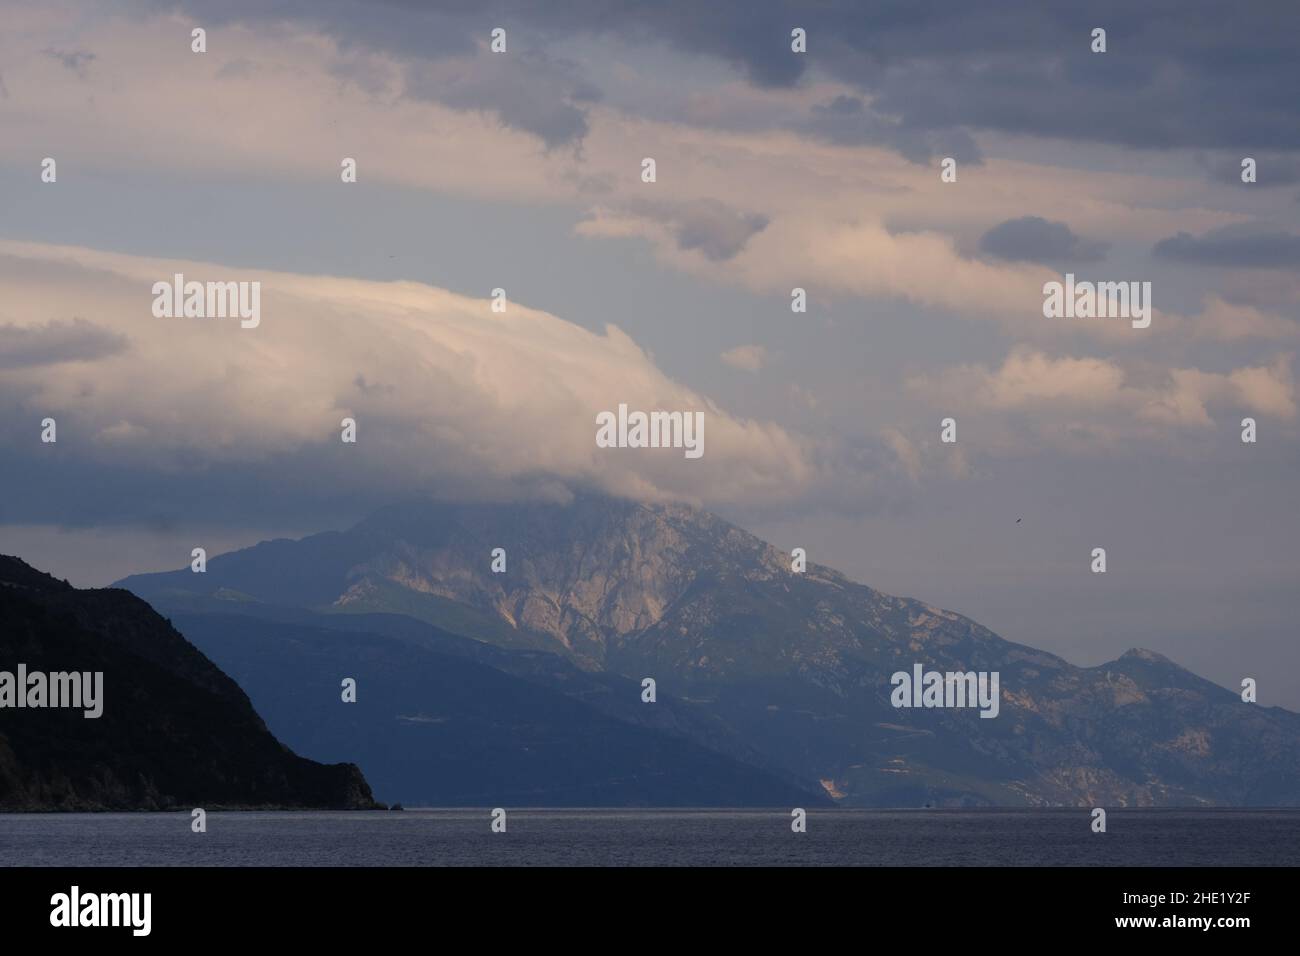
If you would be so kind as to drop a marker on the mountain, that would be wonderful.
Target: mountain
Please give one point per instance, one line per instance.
(173, 731)
(436, 728)
(787, 670)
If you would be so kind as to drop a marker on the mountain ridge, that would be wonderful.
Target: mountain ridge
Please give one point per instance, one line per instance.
(796, 665)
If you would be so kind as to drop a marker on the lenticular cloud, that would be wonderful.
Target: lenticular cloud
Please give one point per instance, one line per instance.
(443, 384)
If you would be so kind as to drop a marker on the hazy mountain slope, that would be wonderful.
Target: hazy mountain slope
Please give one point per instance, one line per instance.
(174, 731)
(796, 666)
(433, 728)
(612, 694)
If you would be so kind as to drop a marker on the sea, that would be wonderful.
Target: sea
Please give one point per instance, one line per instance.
(547, 837)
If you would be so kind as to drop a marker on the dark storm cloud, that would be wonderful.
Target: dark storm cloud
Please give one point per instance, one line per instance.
(1234, 247)
(1178, 73)
(1035, 239)
(56, 342)
(1184, 73)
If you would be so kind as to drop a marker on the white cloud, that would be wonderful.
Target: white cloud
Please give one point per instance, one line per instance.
(1104, 398)
(1220, 320)
(443, 389)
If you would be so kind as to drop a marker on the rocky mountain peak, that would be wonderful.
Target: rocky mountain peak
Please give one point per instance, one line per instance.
(797, 667)
(581, 572)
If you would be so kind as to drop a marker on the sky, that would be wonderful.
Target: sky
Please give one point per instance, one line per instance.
(774, 170)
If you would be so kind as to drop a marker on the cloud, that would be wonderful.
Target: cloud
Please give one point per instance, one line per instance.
(908, 457)
(707, 226)
(757, 209)
(1020, 67)
(1267, 390)
(1034, 239)
(1226, 321)
(1237, 247)
(1029, 378)
(428, 30)
(853, 259)
(716, 230)
(74, 60)
(446, 393)
(847, 121)
(921, 459)
(440, 53)
(55, 342)
(747, 358)
(527, 91)
(1193, 80)
(1105, 398)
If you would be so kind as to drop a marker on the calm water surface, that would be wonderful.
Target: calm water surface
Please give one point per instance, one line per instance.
(657, 837)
